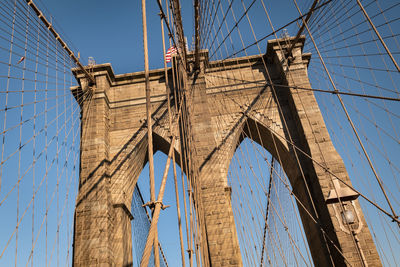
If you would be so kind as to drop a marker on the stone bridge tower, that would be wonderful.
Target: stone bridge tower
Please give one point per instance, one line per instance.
(267, 107)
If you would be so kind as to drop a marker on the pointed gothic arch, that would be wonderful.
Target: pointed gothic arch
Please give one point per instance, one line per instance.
(287, 123)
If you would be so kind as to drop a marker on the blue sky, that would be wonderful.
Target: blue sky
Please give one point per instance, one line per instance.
(111, 32)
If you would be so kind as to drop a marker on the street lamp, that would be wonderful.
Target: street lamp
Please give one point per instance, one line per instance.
(348, 217)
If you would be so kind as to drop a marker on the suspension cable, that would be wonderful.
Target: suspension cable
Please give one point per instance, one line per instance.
(58, 38)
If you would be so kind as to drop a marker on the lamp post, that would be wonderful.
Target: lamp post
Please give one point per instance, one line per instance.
(349, 218)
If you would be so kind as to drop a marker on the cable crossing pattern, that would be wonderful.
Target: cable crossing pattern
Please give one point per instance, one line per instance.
(278, 126)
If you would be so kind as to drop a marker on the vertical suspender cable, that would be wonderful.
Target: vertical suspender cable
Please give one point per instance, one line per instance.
(172, 133)
(149, 125)
(179, 120)
(309, 13)
(58, 38)
(266, 211)
(378, 179)
(197, 34)
(379, 36)
(158, 206)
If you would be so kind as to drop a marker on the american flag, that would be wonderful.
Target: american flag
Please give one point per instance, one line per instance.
(170, 52)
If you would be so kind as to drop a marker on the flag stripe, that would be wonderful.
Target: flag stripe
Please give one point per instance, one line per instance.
(172, 50)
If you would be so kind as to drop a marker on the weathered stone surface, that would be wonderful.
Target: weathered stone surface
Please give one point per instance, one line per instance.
(247, 97)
